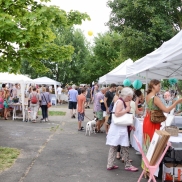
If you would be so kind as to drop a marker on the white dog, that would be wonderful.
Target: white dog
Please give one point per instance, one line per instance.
(90, 126)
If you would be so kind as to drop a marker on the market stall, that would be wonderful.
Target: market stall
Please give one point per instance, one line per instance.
(117, 74)
(163, 63)
(22, 80)
(48, 81)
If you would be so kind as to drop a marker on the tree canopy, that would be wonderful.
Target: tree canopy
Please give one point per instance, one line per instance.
(144, 24)
(106, 54)
(26, 33)
(67, 71)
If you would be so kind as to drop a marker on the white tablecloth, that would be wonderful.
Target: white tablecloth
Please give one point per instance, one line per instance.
(178, 120)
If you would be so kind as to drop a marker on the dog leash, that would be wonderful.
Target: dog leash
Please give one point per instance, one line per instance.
(88, 118)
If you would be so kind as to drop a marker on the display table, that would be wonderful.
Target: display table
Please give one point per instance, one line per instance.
(139, 132)
(177, 120)
(17, 106)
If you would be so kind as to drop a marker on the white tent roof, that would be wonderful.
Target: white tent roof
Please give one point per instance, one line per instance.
(13, 78)
(45, 80)
(164, 62)
(116, 75)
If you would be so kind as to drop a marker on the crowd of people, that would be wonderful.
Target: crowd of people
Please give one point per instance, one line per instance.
(120, 100)
(117, 100)
(7, 94)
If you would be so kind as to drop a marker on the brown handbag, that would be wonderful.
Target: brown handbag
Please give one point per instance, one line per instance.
(157, 116)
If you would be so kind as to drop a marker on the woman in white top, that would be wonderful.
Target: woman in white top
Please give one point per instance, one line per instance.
(118, 135)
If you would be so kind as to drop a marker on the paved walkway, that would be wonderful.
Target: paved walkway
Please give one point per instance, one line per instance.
(57, 152)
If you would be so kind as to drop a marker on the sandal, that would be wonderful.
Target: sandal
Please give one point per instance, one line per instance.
(113, 167)
(131, 168)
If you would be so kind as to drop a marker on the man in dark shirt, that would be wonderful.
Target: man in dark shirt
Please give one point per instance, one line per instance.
(109, 97)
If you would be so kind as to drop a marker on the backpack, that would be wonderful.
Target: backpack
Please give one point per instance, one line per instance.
(34, 99)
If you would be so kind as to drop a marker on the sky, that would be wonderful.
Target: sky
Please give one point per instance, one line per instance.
(96, 9)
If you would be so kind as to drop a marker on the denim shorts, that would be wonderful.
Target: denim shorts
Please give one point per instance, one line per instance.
(80, 116)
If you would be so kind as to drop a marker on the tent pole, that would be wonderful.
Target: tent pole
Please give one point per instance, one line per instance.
(55, 88)
(146, 80)
(23, 99)
(146, 88)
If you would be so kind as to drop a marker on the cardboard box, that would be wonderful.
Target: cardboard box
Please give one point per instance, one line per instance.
(153, 145)
(164, 137)
(168, 172)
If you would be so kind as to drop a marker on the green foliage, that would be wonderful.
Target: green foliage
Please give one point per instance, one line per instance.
(165, 85)
(106, 54)
(66, 71)
(26, 34)
(144, 24)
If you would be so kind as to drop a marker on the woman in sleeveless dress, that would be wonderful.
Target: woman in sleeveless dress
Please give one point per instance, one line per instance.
(153, 103)
(118, 134)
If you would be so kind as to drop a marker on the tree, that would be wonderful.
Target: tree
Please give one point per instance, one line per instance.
(106, 55)
(144, 24)
(26, 34)
(73, 71)
(66, 71)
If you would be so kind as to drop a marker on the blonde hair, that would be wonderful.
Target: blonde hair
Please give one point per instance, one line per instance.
(118, 90)
(43, 89)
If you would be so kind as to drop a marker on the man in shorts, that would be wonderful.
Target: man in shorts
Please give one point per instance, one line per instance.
(99, 97)
(59, 94)
(81, 108)
(72, 97)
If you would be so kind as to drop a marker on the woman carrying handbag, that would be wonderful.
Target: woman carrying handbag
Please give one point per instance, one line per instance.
(45, 100)
(118, 134)
(154, 115)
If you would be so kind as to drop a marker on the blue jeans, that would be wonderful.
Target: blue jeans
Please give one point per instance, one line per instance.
(44, 111)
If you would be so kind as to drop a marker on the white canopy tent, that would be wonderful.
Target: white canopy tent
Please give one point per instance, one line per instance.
(22, 80)
(163, 63)
(46, 81)
(116, 75)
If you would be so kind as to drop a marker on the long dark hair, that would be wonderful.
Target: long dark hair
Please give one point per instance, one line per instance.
(151, 84)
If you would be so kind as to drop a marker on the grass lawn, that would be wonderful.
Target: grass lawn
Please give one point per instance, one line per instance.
(7, 157)
(54, 113)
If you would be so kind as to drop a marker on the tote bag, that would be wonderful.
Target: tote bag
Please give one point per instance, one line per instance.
(125, 120)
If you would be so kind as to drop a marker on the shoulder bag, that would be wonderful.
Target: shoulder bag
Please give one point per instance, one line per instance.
(48, 103)
(157, 116)
(124, 120)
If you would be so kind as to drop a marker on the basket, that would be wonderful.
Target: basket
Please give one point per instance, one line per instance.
(172, 130)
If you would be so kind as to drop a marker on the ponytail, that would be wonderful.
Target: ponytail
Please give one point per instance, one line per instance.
(151, 85)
